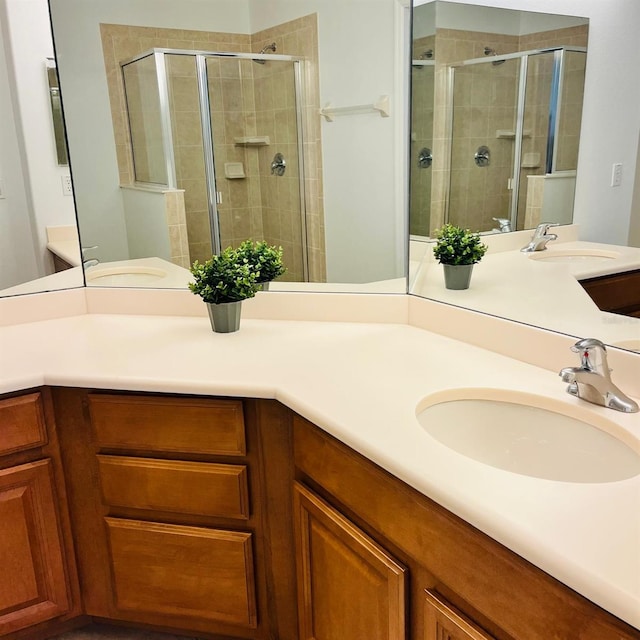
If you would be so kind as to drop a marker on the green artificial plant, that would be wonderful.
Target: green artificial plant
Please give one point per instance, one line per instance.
(264, 259)
(458, 246)
(226, 277)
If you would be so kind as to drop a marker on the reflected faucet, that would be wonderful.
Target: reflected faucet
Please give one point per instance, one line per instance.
(540, 237)
(591, 381)
(504, 224)
(91, 262)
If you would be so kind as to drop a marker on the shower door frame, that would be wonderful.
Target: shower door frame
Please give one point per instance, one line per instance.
(207, 132)
(555, 105)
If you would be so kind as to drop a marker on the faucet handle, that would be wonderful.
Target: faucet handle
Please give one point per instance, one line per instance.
(543, 227)
(91, 248)
(585, 348)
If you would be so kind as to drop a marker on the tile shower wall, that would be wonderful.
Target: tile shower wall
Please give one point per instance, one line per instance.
(251, 207)
(478, 195)
(422, 111)
(297, 38)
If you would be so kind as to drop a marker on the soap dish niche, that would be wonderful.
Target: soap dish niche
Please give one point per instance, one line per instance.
(234, 170)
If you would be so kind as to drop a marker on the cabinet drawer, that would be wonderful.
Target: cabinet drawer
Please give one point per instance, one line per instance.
(22, 423)
(180, 487)
(176, 425)
(191, 572)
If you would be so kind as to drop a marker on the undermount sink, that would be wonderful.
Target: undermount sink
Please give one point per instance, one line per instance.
(130, 275)
(531, 435)
(573, 255)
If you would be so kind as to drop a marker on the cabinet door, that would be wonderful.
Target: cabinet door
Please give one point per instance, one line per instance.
(33, 587)
(349, 588)
(442, 622)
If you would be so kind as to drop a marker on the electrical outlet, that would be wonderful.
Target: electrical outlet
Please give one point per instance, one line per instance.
(616, 174)
(67, 187)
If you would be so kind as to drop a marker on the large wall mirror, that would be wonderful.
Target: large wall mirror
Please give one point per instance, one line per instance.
(514, 124)
(36, 203)
(195, 125)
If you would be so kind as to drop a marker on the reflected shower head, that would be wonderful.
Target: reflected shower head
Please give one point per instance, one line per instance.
(269, 47)
(488, 51)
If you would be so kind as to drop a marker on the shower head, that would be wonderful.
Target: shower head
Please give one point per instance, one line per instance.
(269, 47)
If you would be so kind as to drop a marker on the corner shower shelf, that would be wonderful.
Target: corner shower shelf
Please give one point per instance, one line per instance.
(252, 141)
(381, 106)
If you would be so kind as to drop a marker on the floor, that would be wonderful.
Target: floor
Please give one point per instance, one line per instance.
(112, 632)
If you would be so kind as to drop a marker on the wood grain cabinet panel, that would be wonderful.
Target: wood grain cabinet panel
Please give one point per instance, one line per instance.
(33, 587)
(192, 572)
(349, 587)
(22, 424)
(200, 488)
(443, 622)
(173, 425)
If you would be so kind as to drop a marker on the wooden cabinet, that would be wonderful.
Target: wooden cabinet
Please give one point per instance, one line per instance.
(38, 574)
(475, 588)
(182, 511)
(34, 585)
(616, 293)
(349, 587)
(443, 622)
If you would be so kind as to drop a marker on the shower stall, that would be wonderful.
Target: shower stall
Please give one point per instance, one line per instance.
(514, 125)
(226, 128)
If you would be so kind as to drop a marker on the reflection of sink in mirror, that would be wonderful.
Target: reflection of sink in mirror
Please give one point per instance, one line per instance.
(531, 435)
(124, 276)
(576, 255)
(139, 272)
(631, 345)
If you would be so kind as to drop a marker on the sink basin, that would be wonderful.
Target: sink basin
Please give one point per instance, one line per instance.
(574, 255)
(531, 435)
(123, 276)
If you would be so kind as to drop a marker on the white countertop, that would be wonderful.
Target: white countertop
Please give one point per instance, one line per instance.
(362, 382)
(521, 287)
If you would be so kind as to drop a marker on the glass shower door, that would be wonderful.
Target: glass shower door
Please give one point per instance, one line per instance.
(257, 166)
(483, 140)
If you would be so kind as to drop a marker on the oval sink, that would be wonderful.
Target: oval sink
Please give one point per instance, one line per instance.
(131, 276)
(530, 435)
(573, 255)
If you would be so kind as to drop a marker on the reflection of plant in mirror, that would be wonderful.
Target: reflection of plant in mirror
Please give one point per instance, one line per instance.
(224, 278)
(458, 246)
(264, 259)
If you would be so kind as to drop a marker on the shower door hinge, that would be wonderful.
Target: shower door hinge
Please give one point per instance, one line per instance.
(218, 197)
(510, 184)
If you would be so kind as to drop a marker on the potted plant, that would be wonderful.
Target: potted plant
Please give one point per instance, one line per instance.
(264, 259)
(223, 282)
(458, 249)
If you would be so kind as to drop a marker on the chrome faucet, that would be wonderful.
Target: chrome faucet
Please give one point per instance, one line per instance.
(504, 224)
(591, 381)
(91, 262)
(540, 237)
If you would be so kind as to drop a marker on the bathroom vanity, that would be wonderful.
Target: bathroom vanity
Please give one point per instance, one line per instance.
(249, 499)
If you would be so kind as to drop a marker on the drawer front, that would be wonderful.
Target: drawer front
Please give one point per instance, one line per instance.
(176, 425)
(22, 423)
(181, 487)
(191, 572)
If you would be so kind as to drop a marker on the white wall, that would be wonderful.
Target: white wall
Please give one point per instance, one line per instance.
(86, 98)
(363, 194)
(611, 116)
(17, 251)
(29, 163)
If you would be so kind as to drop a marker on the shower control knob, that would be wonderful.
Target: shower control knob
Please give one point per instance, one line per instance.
(278, 165)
